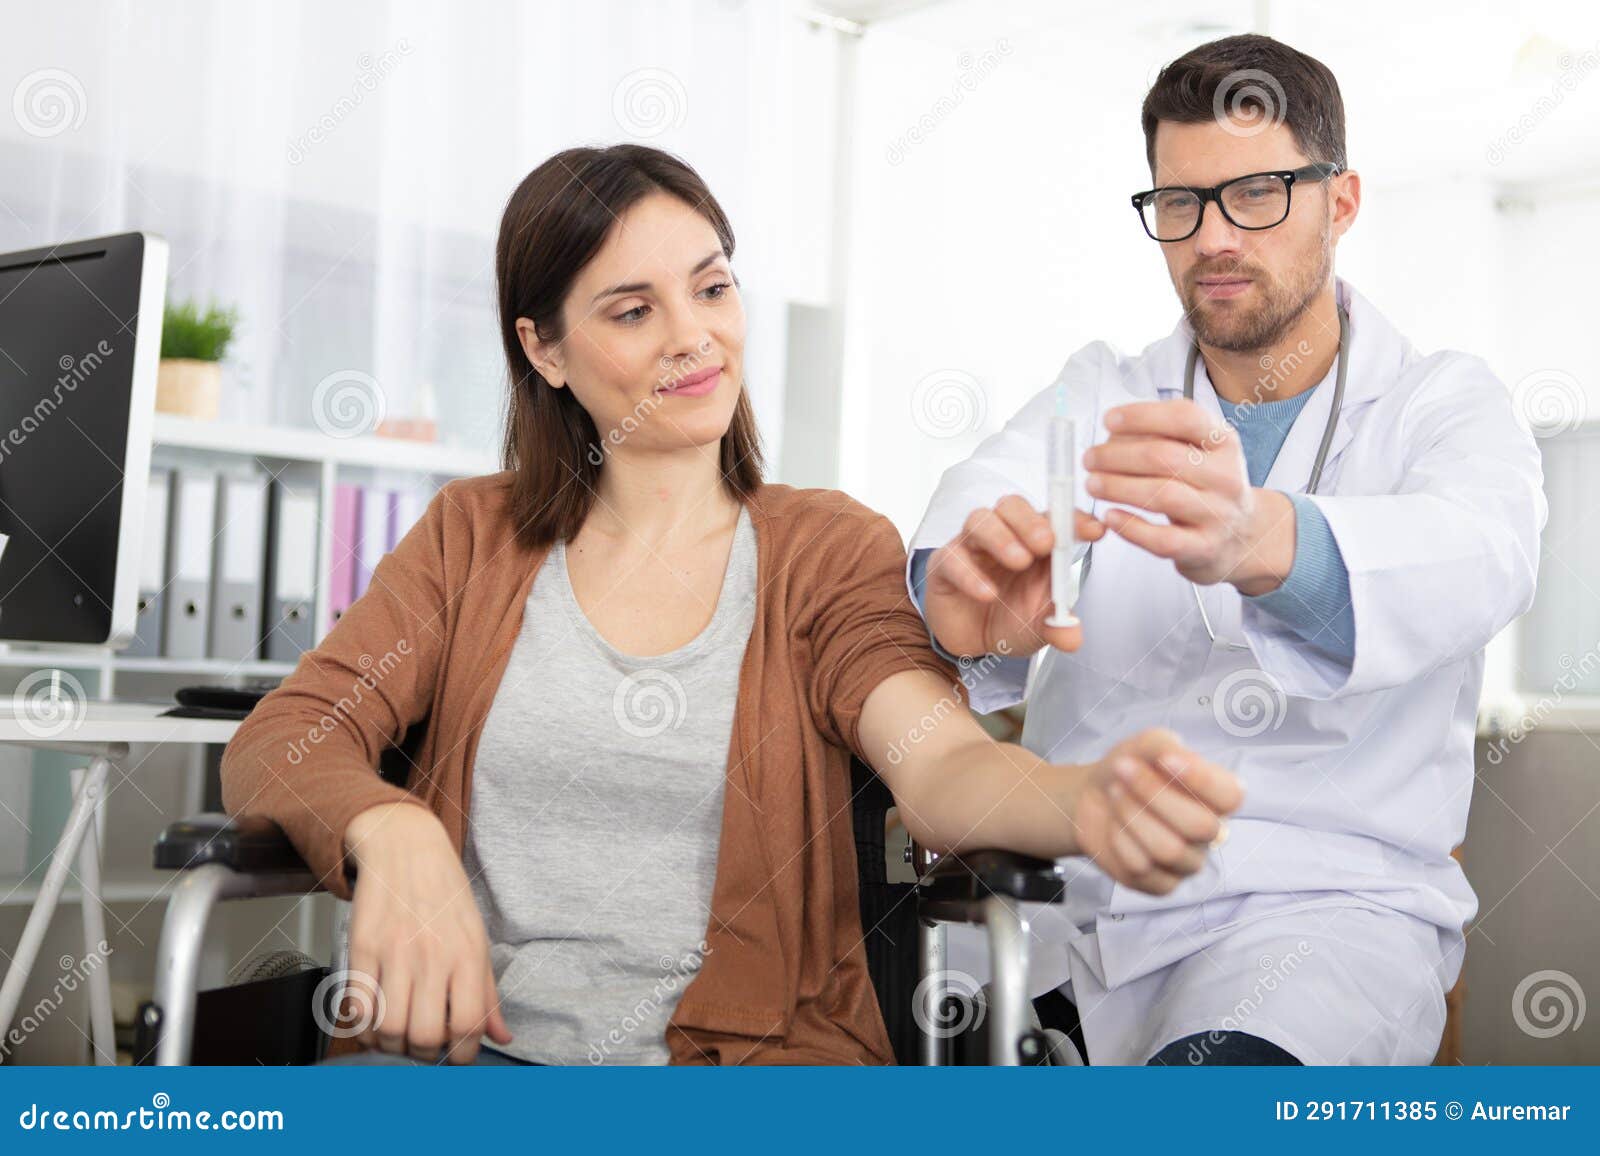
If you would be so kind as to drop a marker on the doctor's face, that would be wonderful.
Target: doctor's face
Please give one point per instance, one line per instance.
(1242, 289)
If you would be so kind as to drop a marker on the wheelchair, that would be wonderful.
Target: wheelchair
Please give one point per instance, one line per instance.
(278, 1019)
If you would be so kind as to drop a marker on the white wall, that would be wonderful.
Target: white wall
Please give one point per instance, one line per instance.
(1001, 240)
(997, 144)
(338, 171)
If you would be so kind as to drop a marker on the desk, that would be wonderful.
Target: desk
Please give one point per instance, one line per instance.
(102, 732)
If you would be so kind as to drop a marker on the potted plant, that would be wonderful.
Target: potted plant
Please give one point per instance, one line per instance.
(193, 342)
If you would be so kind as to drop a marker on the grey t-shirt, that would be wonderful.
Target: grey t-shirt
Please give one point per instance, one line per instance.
(596, 814)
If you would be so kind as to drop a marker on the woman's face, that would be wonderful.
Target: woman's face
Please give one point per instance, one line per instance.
(654, 333)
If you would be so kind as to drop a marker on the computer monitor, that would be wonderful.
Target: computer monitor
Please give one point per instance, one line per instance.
(80, 343)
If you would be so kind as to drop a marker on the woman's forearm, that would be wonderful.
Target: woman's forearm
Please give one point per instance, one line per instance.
(985, 794)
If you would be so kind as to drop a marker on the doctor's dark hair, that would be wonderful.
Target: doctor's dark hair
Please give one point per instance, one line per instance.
(1255, 76)
(554, 223)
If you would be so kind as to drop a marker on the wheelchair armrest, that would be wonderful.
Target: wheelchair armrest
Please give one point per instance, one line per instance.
(955, 887)
(249, 844)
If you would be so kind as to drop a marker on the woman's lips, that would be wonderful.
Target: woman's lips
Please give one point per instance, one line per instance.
(695, 384)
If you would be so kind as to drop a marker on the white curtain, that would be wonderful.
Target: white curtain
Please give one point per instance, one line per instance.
(336, 172)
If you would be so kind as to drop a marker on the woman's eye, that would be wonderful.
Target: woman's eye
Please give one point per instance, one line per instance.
(717, 291)
(631, 316)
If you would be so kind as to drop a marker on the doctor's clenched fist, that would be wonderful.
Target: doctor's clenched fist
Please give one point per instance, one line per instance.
(988, 590)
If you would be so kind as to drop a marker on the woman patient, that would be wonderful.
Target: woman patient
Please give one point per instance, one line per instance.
(626, 835)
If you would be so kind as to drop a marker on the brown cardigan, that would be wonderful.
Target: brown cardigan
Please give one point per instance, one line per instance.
(785, 978)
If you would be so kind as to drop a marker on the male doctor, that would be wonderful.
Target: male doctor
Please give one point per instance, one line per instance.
(1297, 571)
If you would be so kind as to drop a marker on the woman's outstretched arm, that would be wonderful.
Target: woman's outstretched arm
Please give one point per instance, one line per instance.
(1147, 812)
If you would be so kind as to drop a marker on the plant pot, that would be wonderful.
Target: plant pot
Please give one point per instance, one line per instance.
(189, 387)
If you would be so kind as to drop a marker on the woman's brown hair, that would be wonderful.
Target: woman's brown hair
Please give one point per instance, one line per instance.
(554, 223)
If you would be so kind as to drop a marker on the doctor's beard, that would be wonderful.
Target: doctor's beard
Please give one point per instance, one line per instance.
(1222, 325)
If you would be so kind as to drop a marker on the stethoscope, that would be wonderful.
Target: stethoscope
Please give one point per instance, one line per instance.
(1316, 466)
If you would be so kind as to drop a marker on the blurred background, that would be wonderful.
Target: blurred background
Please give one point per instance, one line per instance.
(930, 198)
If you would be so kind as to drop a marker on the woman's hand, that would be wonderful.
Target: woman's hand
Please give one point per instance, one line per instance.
(988, 590)
(417, 939)
(1149, 811)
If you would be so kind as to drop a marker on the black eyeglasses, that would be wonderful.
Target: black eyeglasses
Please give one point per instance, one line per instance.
(1254, 201)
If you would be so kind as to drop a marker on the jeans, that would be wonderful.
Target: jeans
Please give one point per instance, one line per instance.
(1203, 1049)
(1221, 1049)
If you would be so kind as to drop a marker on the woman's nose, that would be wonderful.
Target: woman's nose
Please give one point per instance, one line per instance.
(688, 335)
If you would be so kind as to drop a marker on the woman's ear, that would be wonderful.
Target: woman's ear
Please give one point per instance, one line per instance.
(545, 356)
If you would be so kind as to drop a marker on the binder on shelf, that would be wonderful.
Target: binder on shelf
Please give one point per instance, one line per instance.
(377, 524)
(291, 574)
(150, 621)
(236, 566)
(194, 509)
(346, 542)
(392, 522)
(408, 506)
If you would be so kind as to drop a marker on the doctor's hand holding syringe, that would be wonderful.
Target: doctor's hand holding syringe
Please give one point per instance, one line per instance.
(990, 589)
(1006, 584)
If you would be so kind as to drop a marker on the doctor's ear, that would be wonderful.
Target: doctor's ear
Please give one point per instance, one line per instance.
(1344, 196)
(545, 356)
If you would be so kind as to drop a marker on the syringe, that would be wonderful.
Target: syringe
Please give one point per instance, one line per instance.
(1061, 464)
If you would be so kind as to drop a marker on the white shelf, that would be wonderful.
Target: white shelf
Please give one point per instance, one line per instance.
(216, 666)
(102, 721)
(307, 445)
(88, 659)
(91, 659)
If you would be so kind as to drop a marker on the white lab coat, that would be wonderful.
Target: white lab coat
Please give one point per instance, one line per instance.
(1331, 920)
